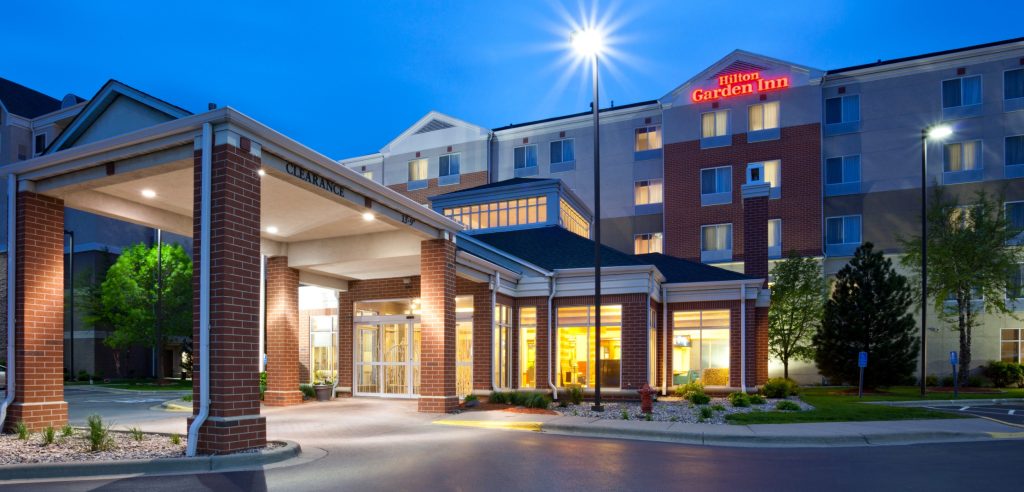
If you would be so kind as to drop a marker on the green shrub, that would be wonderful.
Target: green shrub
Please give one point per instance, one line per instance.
(136, 433)
(685, 390)
(975, 382)
(1004, 374)
(189, 397)
(947, 380)
(470, 398)
(931, 380)
(625, 414)
(739, 399)
(83, 376)
(498, 397)
(307, 390)
(99, 434)
(22, 430)
(787, 405)
(757, 400)
(575, 394)
(779, 388)
(698, 398)
(648, 417)
(67, 430)
(706, 413)
(718, 407)
(175, 439)
(49, 434)
(539, 400)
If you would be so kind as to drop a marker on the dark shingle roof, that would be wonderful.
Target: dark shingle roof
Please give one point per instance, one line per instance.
(880, 63)
(678, 270)
(584, 113)
(25, 102)
(500, 184)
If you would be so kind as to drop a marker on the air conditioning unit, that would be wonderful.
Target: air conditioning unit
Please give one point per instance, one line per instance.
(755, 173)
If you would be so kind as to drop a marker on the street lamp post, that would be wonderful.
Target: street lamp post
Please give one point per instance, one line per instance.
(588, 44)
(938, 132)
(71, 300)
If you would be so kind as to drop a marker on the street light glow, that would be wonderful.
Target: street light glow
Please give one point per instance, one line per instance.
(940, 132)
(368, 216)
(587, 42)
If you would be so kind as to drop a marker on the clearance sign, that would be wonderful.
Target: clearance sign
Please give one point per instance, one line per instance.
(739, 84)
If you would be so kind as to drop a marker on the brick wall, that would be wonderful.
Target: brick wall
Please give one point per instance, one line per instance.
(282, 333)
(39, 313)
(437, 326)
(235, 423)
(468, 180)
(755, 241)
(799, 207)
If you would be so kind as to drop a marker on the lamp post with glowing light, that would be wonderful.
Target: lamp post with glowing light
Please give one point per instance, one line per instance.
(937, 133)
(588, 44)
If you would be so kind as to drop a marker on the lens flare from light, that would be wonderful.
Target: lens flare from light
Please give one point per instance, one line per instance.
(940, 132)
(587, 42)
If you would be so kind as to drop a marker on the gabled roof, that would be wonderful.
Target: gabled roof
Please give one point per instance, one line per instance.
(431, 122)
(25, 102)
(101, 101)
(736, 61)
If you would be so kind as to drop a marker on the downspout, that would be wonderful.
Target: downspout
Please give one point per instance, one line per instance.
(490, 158)
(743, 338)
(12, 217)
(204, 290)
(496, 280)
(551, 356)
(664, 326)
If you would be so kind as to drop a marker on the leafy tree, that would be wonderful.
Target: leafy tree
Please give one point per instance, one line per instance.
(969, 263)
(798, 298)
(868, 311)
(128, 297)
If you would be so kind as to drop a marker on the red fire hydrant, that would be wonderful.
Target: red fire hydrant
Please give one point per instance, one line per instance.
(646, 399)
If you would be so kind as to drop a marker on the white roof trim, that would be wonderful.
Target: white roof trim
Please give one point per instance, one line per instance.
(431, 115)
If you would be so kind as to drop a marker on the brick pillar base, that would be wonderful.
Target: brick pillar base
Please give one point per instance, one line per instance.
(282, 334)
(39, 314)
(220, 435)
(437, 332)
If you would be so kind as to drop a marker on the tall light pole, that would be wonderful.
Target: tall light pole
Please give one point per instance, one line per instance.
(588, 43)
(938, 133)
(159, 307)
(71, 300)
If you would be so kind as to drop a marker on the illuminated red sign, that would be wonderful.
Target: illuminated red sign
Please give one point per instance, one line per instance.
(739, 84)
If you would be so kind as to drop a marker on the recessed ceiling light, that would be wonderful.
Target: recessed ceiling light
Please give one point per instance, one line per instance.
(272, 230)
(368, 216)
(261, 172)
(148, 193)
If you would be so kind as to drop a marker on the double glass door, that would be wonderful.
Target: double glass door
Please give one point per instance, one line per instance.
(387, 358)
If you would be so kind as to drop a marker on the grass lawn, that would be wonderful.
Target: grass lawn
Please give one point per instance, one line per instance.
(834, 405)
(140, 385)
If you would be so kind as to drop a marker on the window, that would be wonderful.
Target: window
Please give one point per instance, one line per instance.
(463, 345)
(502, 350)
(1011, 345)
(1015, 283)
(1015, 150)
(571, 220)
(40, 143)
(507, 213)
(716, 185)
(1015, 218)
(843, 112)
(775, 238)
(716, 242)
(714, 124)
(962, 156)
(842, 230)
(700, 347)
(562, 151)
(764, 116)
(652, 347)
(1013, 89)
(964, 91)
(842, 170)
(773, 176)
(576, 348)
(368, 175)
(417, 170)
(647, 243)
(647, 192)
(647, 138)
(525, 156)
(448, 165)
(527, 347)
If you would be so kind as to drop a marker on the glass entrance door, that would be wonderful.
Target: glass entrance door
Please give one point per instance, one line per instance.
(387, 359)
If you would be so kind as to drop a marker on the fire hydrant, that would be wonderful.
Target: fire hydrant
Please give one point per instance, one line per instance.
(646, 399)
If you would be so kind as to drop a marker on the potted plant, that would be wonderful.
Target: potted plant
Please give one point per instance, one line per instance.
(324, 386)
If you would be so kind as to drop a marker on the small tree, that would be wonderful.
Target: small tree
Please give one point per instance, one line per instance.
(798, 298)
(969, 263)
(868, 311)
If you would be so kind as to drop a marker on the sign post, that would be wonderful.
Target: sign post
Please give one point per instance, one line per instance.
(953, 361)
(862, 362)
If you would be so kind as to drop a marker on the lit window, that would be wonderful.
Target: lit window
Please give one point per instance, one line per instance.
(647, 192)
(577, 348)
(840, 170)
(448, 165)
(1011, 345)
(764, 116)
(647, 138)
(1014, 150)
(700, 347)
(963, 156)
(716, 180)
(368, 175)
(1013, 84)
(527, 347)
(571, 220)
(647, 243)
(774, 238)
(714, 124)
(507, 213)
(842, 230)
(417, 169)
(773, 176)
(844, 109)
(502, 345)
(525, 156)
(964, 91)
(562, 151)
(716, 238)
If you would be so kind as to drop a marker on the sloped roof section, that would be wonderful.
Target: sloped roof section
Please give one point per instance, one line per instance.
(678, 270)
(738, 66)
(554, 248)
(433, 126)
(25, 102)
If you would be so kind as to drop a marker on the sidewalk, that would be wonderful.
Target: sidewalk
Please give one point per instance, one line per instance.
(765, 435)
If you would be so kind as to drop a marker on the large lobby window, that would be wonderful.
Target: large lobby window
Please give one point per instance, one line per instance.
(647, 192)
(1011, 345)
(464, 345)
(647, 243)
(528, 347)
(502, 345)
(716, 242)
(576, 346)
(508, 213)
(700, 347)
(571, 220)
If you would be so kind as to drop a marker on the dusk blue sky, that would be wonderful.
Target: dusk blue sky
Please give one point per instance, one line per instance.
(345, 79)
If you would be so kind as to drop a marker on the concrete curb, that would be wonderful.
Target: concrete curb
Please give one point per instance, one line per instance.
(176, 406)
(159, 466)
(123, 391)
(932, 403)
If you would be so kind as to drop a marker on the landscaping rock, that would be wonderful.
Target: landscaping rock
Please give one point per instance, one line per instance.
(671, 410)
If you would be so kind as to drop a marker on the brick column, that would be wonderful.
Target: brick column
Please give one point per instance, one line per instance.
(755, 264)
(234, 422)
(282, 334)
(39, 314)
(437, 335)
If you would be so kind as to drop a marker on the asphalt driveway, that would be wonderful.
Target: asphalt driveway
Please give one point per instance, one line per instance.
(1007, 413)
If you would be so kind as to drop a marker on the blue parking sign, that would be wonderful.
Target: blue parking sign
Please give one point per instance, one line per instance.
(862, 359)
(953, 358)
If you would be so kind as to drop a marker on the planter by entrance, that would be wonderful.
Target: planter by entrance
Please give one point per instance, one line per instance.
(323, 392)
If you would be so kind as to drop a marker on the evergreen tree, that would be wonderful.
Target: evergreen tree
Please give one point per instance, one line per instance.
(868, 311)
(798, 297)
